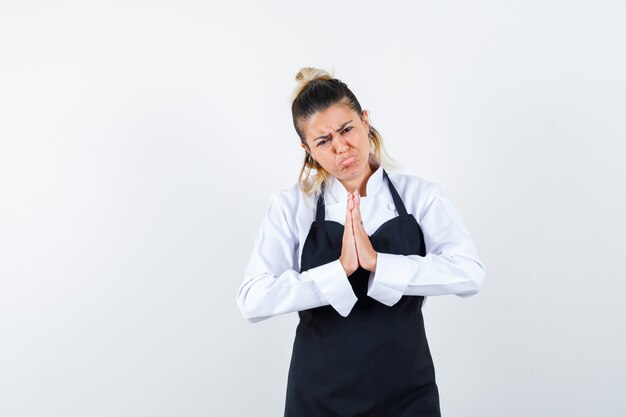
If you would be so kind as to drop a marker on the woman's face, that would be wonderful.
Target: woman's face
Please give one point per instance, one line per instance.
(337, 138)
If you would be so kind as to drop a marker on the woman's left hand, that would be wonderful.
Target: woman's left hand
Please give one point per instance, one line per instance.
(365, 252)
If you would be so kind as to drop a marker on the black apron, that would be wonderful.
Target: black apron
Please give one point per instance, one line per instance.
(375, 362)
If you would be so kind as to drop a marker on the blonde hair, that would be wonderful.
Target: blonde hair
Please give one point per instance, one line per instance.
(316, 91)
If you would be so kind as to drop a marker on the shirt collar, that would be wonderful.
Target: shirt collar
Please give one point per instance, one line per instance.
(374, 183)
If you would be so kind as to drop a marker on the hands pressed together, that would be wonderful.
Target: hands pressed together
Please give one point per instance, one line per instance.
(356, 248)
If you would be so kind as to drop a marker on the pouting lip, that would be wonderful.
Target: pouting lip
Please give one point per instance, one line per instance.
(345, 159)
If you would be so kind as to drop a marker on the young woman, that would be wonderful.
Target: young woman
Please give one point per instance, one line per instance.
(355, 250)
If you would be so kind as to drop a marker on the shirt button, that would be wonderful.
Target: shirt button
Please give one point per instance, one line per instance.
(391, 207)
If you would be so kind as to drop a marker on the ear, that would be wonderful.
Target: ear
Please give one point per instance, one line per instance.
(365, 117)
(306, 148)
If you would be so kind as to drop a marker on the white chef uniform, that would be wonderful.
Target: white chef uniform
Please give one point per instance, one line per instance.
(272, 284)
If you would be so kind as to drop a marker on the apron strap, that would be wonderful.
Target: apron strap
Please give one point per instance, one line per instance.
(321, 208)
(396, 197)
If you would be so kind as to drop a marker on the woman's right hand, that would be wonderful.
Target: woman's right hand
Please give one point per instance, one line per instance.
(349, 259)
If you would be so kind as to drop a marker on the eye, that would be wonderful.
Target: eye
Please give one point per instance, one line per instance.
(322, 142)
(347, 129)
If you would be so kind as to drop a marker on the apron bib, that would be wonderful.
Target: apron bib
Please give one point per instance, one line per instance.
(374, 362)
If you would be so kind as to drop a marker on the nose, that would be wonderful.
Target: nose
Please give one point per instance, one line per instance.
(341, 145)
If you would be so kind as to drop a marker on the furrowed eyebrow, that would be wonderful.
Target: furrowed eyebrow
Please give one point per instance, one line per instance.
(338, 130)
(321, 137)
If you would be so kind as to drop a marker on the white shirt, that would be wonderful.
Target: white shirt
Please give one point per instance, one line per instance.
(272, 284)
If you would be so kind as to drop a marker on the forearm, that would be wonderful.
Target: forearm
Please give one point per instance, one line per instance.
(398, 275)
(263, 294)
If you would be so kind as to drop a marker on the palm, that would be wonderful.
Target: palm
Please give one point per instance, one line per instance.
(356, 248)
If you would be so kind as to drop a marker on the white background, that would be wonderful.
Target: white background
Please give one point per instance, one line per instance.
(140, 141)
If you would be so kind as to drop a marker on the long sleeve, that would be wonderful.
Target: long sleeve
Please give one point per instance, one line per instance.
(451, 264)
(271, 286)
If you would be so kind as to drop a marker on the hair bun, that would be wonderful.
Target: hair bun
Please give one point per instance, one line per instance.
(308, 74)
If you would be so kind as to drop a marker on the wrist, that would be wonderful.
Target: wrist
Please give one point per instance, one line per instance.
(348, 270)
(372, 266)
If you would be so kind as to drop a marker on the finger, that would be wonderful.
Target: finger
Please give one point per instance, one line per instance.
(349, 215)
(365, 251)
(358, 219)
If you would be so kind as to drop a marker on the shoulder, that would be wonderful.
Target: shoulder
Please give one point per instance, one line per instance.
(289, 202)
(288, 213)
(413, 185)
(286, 199)
(417, 193)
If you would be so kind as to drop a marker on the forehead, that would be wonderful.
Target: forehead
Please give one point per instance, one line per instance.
(328, 120)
